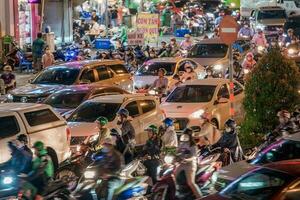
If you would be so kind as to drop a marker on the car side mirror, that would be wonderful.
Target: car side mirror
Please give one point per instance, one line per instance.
(85, 81)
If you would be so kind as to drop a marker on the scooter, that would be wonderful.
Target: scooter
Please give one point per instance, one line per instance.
(12, 187)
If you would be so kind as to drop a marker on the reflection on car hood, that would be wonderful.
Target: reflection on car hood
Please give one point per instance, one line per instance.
(182, 108)
(62, 111)
(235, 170)
(142, 81)
(35, 90)
(270, 22)
(207, 61)
(82, 128)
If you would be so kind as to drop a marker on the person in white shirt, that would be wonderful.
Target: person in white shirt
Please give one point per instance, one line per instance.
(169, 137)
(93, 32)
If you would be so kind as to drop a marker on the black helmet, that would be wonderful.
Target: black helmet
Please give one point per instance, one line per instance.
(230, 123)
(23, 138)
(124, 112)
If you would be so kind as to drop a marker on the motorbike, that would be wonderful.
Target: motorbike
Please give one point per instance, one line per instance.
(12, 187)
(67, 54)
(165, 188)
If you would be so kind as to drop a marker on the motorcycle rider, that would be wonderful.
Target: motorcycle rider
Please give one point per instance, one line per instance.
(21, 155)
(189, 73)
(259, 39)
(103, 133)
(245, 31)
(280, 37)
(285, 122)
(162, 48)
(187, 150)
(9, 78)
(174, 47)
(248, 63)
(42, 168)
(169, 136)
(229, 143)
(290, 36)
(161, 83)
(128, 134)
(111, 163)
(187, 43)
(151, 151)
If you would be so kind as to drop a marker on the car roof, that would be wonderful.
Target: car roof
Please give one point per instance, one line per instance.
(119, 98)
(209, 81)
(210, 41)
(291, 167)
(165, 59)
(85, 63)
(294, 137)
(15, 107)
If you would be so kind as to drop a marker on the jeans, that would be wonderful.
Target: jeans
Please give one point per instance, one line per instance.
(151, 166)
(37, 63)
(190, 169)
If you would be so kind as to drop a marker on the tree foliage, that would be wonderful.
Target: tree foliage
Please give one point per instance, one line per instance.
(272, 86)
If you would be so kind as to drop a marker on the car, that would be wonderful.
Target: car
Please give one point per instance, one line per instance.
(274, 181)
(40, 123)
(54, 78)
(66, 100)
(148, 72)
(284, 149)
(213, 53)
(143, 109)
(186, 103)
(269, 19)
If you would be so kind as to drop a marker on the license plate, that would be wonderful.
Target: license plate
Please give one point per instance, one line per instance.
(177, 126)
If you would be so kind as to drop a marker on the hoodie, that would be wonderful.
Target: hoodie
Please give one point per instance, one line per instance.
(169, 138)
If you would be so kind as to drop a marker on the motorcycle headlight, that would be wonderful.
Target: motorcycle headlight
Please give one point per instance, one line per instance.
(168, 159)
(7, 180)
(89, 174)
(260, 48)
(197, 114)
(152, 92)
(10, 97)
(218, 67)
(291, 51)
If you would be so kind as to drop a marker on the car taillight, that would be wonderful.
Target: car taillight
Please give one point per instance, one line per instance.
(68, 133)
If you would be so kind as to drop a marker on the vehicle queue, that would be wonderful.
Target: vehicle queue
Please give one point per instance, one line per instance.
(99, 132)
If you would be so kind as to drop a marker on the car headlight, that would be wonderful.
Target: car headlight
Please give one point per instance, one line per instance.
(218, 67)
(7, 180)
(291, 51)
(89, 174)
(168, 159)
(197, 114)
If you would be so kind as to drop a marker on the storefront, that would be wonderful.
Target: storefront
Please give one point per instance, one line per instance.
(26, 23)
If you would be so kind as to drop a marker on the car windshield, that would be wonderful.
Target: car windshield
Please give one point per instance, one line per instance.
(151, 68)
(90, 111)
(280, 150)
(192, 94)
(59, 75)
(271, 14)
(208, 51)
(259, 184)
(65, 100)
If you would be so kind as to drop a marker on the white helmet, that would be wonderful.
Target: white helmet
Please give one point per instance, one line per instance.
(184, 138)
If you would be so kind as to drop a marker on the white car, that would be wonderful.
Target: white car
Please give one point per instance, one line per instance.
(144, 111)
(190, 100)
(40, 123)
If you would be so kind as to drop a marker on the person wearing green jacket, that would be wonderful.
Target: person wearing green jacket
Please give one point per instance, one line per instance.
(42, 168)
(166, 17)
(123, 34)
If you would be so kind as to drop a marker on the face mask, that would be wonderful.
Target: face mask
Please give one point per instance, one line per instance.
(228, 129)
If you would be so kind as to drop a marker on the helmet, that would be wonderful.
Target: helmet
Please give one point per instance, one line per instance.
(284, 113)
(184, 138)
(168, 122)
(250, 54)
(124, 112)
(23, 138)
(38, 145)
(102, 120)
(230, 123)
(152, 128)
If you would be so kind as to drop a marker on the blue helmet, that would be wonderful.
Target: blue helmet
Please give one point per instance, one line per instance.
(124, 112)
(168, 122)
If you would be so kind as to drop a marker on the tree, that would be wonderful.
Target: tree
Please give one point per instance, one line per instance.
(272, 86)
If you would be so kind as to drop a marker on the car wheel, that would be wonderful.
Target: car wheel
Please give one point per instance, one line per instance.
(215, 123)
